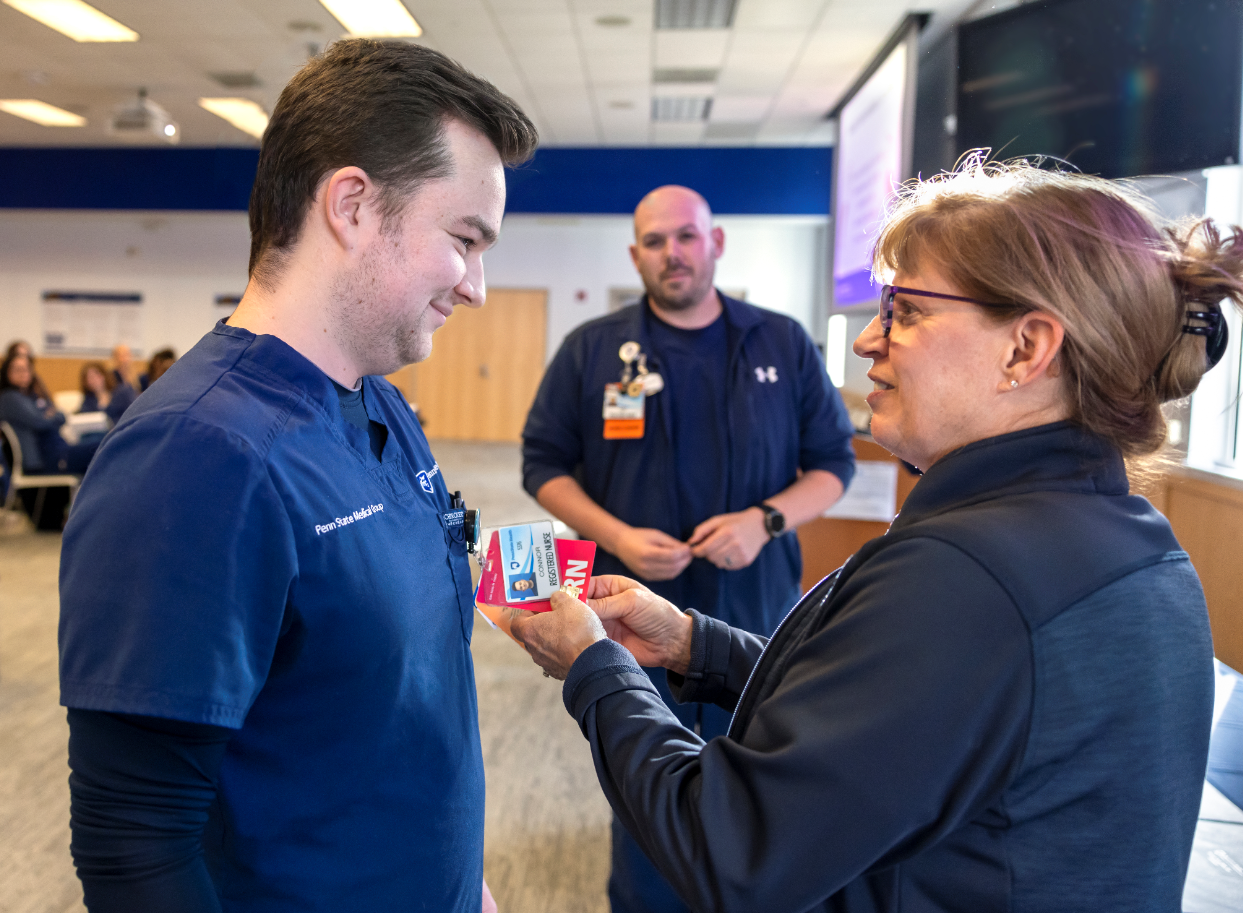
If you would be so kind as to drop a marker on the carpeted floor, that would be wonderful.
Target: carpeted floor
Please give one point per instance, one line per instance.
(546, 845)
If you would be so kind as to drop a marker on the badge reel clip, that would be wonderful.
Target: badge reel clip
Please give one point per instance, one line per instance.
(624, 410)
(471, 526)
(634, 360)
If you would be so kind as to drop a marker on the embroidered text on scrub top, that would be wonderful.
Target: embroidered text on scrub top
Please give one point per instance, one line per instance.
(361, 514)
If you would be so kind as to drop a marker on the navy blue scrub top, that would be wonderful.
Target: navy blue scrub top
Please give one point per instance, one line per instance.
(237, 557)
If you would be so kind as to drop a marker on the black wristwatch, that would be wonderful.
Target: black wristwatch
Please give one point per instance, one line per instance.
(774, 520)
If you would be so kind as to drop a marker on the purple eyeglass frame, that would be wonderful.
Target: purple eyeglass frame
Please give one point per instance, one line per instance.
(886, 301)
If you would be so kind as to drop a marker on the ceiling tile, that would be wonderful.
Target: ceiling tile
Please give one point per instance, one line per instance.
(783, 47)
(683, 90)
(614, 41)
(691, 48)
(627, 135)
(602, 68)
(777, 14)
(526, 6)
(638, 30)
(752, 78)
(790, 57)
(740, 107)
(536, 26)
(677, 134)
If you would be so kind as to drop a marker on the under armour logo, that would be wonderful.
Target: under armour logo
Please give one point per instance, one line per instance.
(768, 374)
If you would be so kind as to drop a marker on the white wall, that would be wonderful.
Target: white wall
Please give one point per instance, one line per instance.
(178, 261)
(181, 261)
(778, 260)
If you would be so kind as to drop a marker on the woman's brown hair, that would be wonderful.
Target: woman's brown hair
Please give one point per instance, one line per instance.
(1087, 251)
(110, 381)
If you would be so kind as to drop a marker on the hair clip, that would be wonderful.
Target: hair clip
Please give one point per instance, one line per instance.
(1215, 334)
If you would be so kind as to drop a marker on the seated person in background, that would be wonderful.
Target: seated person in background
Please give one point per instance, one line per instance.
(37, 424)
(124, 371)
(97, 392)
(160, 362)
(21, 347)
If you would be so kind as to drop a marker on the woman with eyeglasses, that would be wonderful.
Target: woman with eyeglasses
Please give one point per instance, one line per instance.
(1004, 702)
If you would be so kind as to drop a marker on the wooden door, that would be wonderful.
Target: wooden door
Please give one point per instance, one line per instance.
(485, 367)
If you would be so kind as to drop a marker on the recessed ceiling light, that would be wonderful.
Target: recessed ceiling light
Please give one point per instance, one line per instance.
(374, 18)
(242, 113)
(73, 18)
(613, 22)
(41, 112)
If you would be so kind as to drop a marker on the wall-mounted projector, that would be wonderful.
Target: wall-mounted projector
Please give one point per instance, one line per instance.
(144, 121)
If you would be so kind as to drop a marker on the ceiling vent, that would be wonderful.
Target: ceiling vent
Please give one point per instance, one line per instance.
(681, 109)
(685, 75)
(143, 121)
(237, 80)
(695, 14)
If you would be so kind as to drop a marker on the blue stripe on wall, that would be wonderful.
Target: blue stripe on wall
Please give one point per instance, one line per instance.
(74, 178)
(750, 181)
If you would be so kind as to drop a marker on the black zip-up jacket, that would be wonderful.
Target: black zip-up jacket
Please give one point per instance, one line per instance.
(1003, 704)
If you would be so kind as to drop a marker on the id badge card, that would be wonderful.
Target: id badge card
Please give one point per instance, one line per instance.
(528, 562)
(623, 413)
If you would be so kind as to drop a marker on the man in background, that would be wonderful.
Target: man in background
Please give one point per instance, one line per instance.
(124, 378)
(271, 697)
(688, 435)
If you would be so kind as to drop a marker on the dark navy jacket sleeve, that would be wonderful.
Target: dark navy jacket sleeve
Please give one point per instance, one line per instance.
(825, 431)
(552, 443)
(893, 724)
(721, 662)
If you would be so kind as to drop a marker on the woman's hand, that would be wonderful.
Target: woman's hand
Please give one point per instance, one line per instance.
(656, 631)
(555, 639)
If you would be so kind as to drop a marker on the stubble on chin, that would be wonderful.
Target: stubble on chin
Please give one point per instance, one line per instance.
(686, 300)
(373, 332)
(414, 344)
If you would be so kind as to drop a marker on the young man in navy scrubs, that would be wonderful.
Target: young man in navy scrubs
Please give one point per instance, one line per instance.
(271, 700)
(687, 435)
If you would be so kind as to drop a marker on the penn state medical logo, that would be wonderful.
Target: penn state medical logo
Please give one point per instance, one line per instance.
(425, 478)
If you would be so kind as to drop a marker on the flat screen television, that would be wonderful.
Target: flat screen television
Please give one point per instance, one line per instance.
(875, 124)
(1116, 87)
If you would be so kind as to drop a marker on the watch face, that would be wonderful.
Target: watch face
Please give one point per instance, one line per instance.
(774, 521)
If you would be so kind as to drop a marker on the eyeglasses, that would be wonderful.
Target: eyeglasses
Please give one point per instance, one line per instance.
(889, 291)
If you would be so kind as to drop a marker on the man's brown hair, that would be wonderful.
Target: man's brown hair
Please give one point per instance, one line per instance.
(380, 106)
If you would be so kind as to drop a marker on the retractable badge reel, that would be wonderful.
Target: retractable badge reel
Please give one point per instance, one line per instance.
(624, 413)
(471, 526)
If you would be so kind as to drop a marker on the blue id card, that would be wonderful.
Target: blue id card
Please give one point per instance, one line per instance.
(528, 561)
